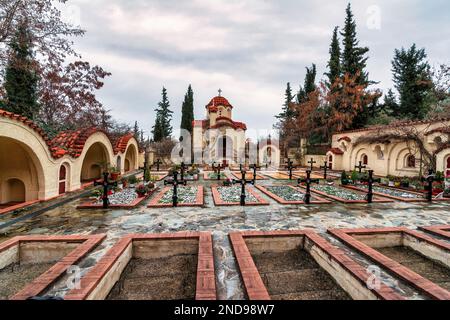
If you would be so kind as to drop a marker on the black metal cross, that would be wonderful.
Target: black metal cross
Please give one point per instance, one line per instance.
(254, 167)
(183, 168)
(325, 169)
(308, 182)
(430, 178)
(370, 180)
(158, 163)
(217, 169)
(311, 162)
(175, 182)
(106, 185)
(290, 167)
(360, 167)
(243, 182)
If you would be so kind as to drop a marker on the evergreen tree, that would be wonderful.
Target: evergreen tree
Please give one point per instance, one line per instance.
(21, 79)
(390, 105)
(187, 110)
(309, 84)
(412, 81)
(353, 56)
(286, 112)
(157, 131)
(163, 128)
(136, 131)
(334, 65)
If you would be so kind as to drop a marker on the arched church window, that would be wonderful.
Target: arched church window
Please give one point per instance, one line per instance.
(411, 161)
(365, 159)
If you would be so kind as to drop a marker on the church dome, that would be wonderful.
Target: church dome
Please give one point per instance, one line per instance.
(218, 101)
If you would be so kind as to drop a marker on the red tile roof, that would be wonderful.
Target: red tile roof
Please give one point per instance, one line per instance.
(218, 101)
(31, 124)
(336, 151)
(72, 142)
(121, 144)
(224, 121)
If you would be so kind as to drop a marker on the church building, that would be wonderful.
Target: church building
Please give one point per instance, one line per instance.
(218, 137)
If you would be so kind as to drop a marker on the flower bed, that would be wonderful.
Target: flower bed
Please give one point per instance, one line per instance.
(343, 194)
(124, 199)
(397, 194)
(188, 196)
(230, 196)
(289, 194)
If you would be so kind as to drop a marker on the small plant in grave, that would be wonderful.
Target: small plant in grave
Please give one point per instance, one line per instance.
(344, 178)
(228, 182)
(141, 190)
(124, 182)
(355, 176)
(133, 180)
(405, 182)
(96, 193)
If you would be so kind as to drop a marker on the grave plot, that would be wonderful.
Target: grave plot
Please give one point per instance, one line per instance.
(423, 194)
(438, 230)
(300, 265)
(343, 195)
(176, 266)
(421, 261)
(248, 175)
(302, 174)
(278, 175)
(188, 196)
(29, 265)
(159, 176)
(397, 194)
(211, 175)
(126, 198)
(289, 194)
(230, 196)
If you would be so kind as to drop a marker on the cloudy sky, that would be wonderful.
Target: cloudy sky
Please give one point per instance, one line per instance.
(248, 48)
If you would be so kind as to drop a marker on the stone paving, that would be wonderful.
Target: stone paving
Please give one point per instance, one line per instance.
(222, 220)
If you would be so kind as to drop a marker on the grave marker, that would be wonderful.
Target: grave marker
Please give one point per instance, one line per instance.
(308, 182)
(175, 182)
(430, 178)
(325, 169)
(243, 182)
(106, 185)
(370, 180)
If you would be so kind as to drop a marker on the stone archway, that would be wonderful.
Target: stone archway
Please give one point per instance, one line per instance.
(64, 178)
(21, 173)
(130, 159)
(95, 161)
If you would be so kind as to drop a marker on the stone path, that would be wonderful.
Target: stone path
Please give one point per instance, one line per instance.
(222, 220)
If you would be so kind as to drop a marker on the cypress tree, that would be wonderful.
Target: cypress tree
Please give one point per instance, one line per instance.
(390, 105)
(412, 81)
(21, 79)
(136, 131)
(157, 129)
(334, 65)
(187, 110)
(353, 56)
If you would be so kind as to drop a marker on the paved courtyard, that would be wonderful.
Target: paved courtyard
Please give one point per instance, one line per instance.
(66, 220)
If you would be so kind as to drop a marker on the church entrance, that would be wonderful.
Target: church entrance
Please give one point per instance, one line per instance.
(62, 179)
(225, 150)
(447, 174)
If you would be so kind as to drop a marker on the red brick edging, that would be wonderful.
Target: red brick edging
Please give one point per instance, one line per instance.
(199, 202)
(442, 230)
(314, 200)
(45, 280)
(253, 283)
(339, 199)
(417, 281)
(219, 202)
(135, 203)
(205, 285)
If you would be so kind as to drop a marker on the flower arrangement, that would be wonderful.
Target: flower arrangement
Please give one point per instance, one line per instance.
(228, 182)
(141, 190)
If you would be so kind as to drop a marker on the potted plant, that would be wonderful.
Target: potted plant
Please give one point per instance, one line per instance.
(355, 176)
(344, 178)
(115, 173)
(405, 182)
(132, 180)
(397, 182)
(124, 182)
(228, 182)
(141, 190)
(447, 192)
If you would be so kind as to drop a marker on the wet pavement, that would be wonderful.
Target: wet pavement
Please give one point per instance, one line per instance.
(222, 220)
